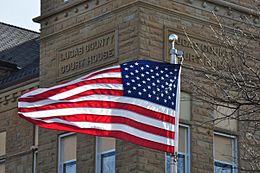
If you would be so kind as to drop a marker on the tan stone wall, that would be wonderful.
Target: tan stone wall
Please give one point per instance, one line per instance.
(139, 30)
(19, 132)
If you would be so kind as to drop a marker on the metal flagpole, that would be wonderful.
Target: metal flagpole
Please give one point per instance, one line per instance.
(175, 54)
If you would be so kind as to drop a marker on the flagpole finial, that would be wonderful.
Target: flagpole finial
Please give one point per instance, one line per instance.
(173, 38)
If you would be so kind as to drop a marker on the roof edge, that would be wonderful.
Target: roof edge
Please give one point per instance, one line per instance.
(18, 27)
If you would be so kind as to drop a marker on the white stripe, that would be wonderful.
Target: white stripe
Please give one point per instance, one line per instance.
(101, 111)
(34, 92)
(41, 90)
(117, 127)
(107, 75)
(119, 99)
(84, 88)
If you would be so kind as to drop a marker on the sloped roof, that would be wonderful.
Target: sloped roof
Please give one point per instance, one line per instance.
(11, 36)
(20, 47)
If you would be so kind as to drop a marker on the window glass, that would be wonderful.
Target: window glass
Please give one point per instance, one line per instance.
(180, 165)
(225, 151)
(184, 154)
(67, 155)
(69, 148)
(2, 143)
(105, 155)
(185, 106)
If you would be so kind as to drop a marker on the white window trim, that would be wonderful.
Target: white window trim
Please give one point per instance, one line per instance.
(187, 148)
(98, 155)
(60, 155)
(234, 151)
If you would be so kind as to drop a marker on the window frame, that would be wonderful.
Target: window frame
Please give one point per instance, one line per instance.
(98, 161)
(61, 154)
(234, 151)
(187, 149)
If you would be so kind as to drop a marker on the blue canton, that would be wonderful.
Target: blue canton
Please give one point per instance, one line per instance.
(152, 81)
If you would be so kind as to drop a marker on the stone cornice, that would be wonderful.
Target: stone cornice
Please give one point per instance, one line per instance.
(144, 4)
(64, 7)
(9, 96)
(235, 7)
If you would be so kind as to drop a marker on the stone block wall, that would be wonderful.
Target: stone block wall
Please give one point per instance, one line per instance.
(136, 30)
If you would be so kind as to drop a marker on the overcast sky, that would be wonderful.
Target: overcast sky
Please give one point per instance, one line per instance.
(20, 13)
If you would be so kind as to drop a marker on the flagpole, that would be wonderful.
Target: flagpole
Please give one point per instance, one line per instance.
(175, 54)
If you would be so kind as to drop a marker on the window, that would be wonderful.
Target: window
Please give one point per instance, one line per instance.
(105, 155)
(2, 151)
(184, 151)
(185, 106)
(225, 153)
(35, 147)
(67, 153)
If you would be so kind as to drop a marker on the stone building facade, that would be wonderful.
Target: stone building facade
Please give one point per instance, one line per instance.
(79, 36)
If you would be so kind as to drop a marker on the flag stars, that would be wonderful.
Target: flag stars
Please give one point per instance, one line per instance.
(153, 82)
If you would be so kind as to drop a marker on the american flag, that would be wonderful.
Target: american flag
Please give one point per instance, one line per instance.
(134, 101)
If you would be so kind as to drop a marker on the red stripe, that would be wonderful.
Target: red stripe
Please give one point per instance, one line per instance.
(96, 132)
(104, 104)
(56, 91)
(103, 71)
(115, 120)
(112, 92)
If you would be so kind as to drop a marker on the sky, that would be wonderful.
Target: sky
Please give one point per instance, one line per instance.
(20, 13)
